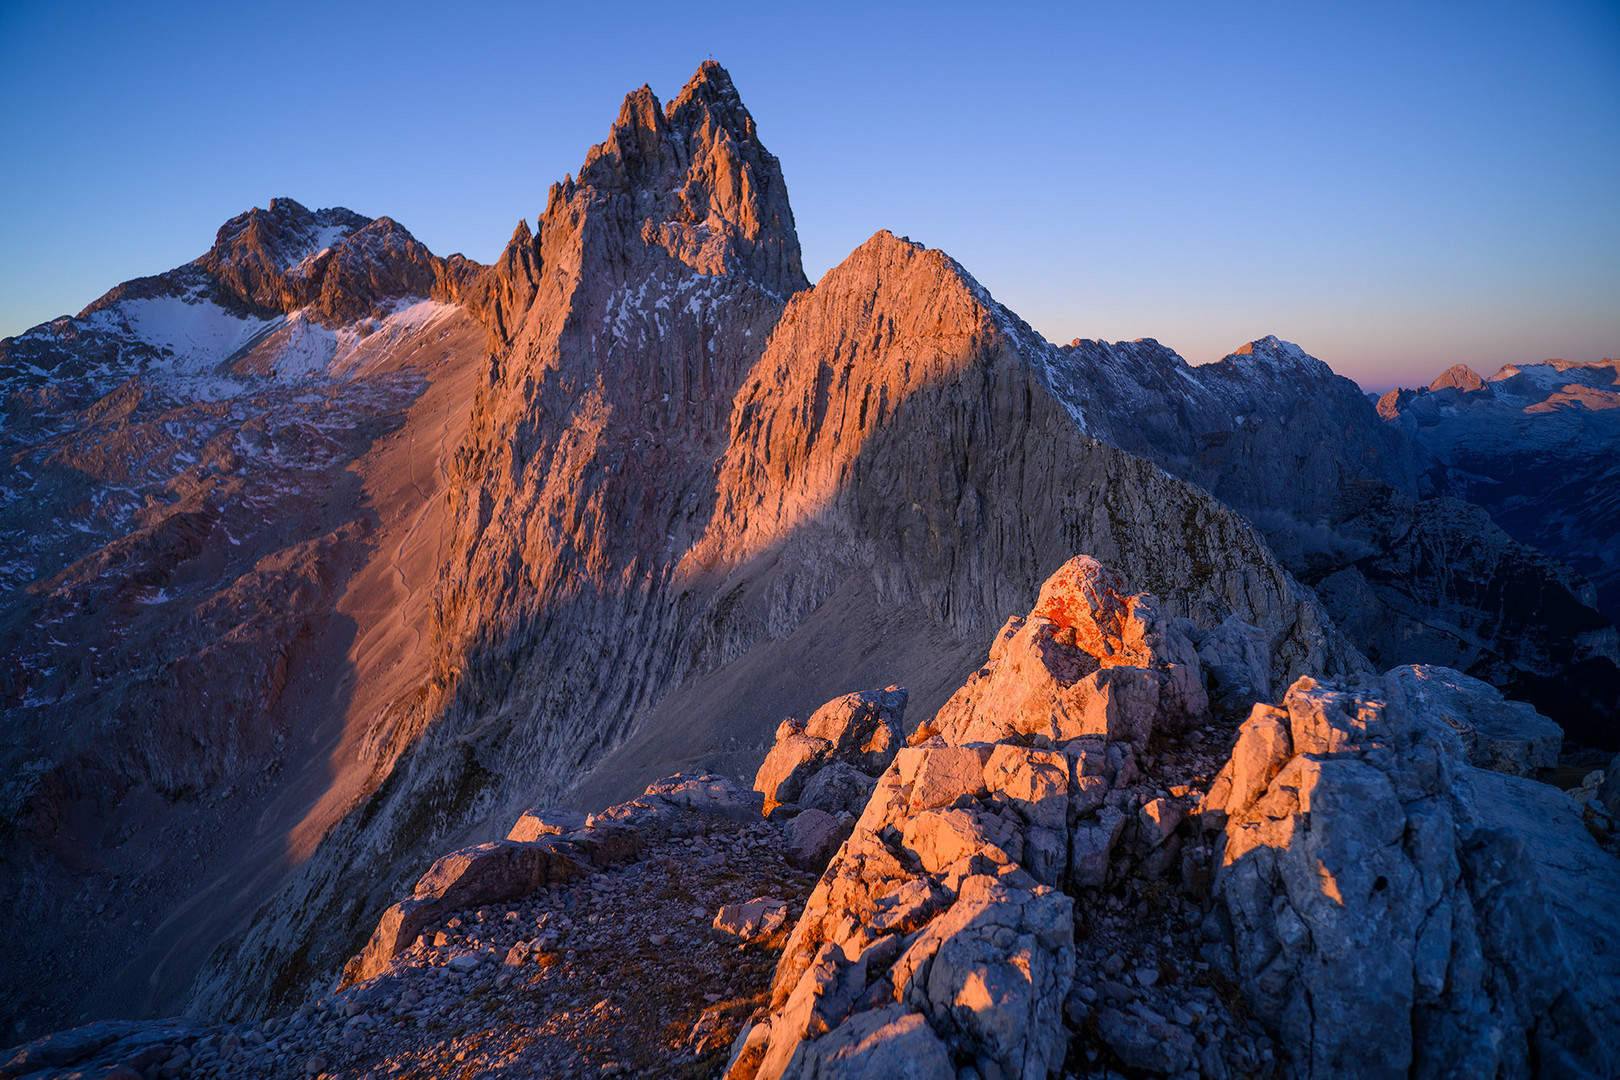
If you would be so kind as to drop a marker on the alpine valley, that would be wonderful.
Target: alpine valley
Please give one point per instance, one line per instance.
(630, 658)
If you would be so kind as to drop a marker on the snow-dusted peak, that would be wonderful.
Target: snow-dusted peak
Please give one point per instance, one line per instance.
(284, 236)
(1273, 349)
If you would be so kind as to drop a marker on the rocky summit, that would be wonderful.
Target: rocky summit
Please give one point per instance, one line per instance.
(628, 658)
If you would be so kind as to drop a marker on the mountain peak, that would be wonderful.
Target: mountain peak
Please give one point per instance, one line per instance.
(711, 89)
(1461, 376)
(693, 180)
(283, 235)
(1272, 347)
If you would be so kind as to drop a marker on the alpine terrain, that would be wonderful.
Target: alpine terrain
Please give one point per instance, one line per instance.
(630, 658)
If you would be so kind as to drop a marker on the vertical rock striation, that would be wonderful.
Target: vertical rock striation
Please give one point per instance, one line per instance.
(685, 468)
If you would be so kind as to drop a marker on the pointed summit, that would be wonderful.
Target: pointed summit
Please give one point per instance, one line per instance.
(710, 88)
(693, 180)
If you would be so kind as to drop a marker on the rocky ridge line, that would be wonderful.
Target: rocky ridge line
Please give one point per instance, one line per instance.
(1058, 874)
(606, 570)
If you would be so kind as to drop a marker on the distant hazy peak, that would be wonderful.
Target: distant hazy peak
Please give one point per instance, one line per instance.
(1460, 376)
(1275, 350)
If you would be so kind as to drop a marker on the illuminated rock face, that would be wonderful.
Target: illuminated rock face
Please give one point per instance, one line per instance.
(461, 541)
(942, 924)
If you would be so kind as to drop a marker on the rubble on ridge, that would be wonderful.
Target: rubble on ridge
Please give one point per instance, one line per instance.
(1093, 861)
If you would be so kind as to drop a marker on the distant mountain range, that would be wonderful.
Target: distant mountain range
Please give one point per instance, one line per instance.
(325, 554)
(1538, 447)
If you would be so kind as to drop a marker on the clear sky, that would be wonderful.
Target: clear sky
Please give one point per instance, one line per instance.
(1396, 187)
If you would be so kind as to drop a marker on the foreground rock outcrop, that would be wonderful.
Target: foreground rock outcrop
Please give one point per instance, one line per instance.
(1385, 907)
(1396, 911)
(944, 930)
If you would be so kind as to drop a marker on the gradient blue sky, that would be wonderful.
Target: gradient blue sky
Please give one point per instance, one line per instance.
(1396, 187)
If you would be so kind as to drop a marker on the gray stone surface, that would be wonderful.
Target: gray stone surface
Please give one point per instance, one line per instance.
(1397, 911)
(1497, 734)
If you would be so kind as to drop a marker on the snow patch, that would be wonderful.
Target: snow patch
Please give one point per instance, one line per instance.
(196, 336)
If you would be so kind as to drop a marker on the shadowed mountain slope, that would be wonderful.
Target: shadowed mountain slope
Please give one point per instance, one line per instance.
(668, 532)
(463, 539)
(1537, 446)
(1362, 512)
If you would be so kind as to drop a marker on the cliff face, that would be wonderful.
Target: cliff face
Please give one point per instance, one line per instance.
(668, 530)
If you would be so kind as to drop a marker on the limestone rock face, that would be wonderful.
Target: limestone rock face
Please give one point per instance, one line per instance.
(1397, 911)
(944, 906)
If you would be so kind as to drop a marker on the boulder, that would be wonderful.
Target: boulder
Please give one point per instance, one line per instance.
(790, 764)
(1264, 744)
(1397, 911)
(1091, 844)
(837, 788)
(864, 729)
(813, 836)
(1147, 1041)
(1497, 734)
(1089, 660)
(860, 731)
(706, 793)
(1236, 659)
(486, 874)
(545, 821)
(891, 1043)
(752, 922)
